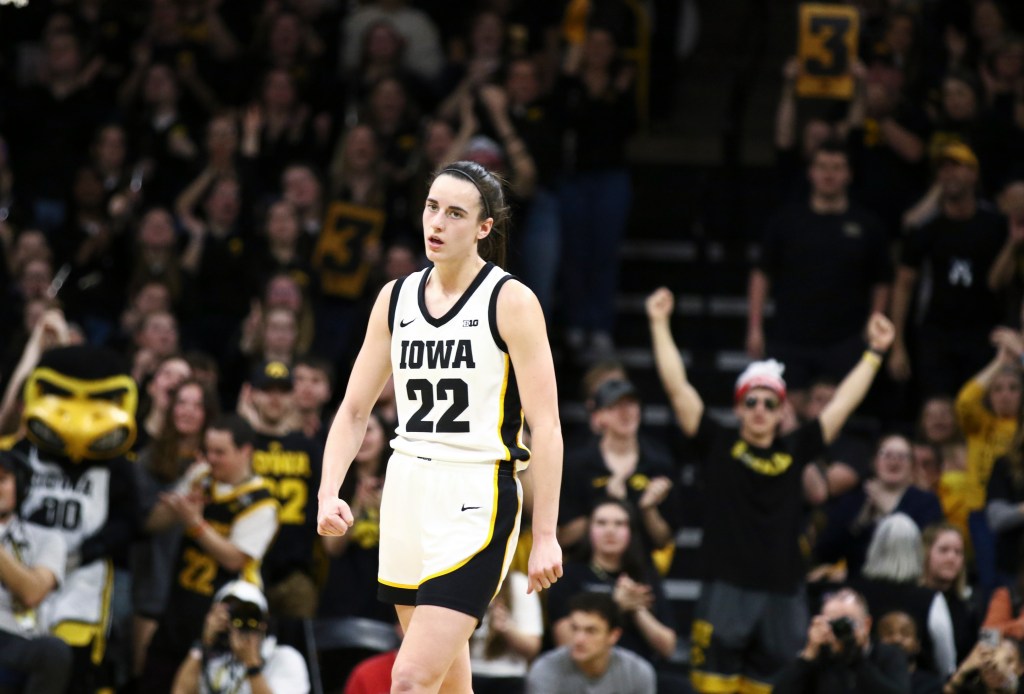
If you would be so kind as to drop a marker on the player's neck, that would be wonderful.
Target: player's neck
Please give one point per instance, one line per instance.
(455, 277)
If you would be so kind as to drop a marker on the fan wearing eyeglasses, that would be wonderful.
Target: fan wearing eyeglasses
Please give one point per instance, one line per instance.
(752, 614)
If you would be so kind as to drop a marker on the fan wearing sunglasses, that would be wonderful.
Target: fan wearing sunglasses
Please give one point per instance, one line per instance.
(752, 614)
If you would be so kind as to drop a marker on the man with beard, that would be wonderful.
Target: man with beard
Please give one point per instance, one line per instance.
(290, 462)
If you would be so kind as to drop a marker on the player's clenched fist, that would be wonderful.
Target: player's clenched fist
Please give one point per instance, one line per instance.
(334, 517)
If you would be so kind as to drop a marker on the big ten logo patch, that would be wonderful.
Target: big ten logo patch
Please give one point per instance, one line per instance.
(700, 641)
(470, 323)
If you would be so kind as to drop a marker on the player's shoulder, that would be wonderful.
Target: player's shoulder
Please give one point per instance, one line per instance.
(511, 293)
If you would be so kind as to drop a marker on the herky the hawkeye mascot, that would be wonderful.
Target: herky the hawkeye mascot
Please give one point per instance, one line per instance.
(79, 421)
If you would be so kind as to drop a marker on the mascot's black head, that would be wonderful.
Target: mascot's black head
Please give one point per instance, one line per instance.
(80, 404)
(17, 466)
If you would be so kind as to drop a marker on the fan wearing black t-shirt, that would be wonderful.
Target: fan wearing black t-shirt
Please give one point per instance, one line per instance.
(960, 247)
(825, 262)
(752, 615)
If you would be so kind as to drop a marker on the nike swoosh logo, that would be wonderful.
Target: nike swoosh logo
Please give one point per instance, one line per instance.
(404, 323)
(468, 508)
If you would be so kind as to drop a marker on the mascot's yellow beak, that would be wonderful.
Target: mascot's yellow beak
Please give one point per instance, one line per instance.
(80, 419)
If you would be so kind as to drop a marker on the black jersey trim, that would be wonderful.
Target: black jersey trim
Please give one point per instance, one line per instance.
(512, 418)
(393, 304)
(454, 310)
(492, 312)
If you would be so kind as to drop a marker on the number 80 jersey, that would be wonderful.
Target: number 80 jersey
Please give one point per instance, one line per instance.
(455, 386)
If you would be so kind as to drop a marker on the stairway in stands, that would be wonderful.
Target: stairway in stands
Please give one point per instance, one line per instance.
(703, 188)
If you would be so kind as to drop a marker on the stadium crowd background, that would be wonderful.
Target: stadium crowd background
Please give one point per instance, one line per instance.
(217, 190)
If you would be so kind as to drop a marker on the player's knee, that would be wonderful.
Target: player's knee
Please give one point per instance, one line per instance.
(413, 677)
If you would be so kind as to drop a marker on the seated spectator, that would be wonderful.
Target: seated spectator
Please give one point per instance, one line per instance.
(170, 373)
(155, 340)
(952, 486)
(937, 423)
(1004, 508)
(216, 260)
(313, 379)
(1006, 607)
(619, 464)
(301, 186)
(269, 334)
(422, 53)
(927, 466)
(591, 662)
(988, 408)
(236, 654)
(351, 586)
(283, 248)
(155, 258)
(508, 638)
(223, 540)
(945, 571)
(853, 518)
(898, 629)
(989, 669)
(32, 561)
(373, 675)
(160, 465)
(612, 561)
(890, 581)
(845, 462)
(276, 128)
(150, 296)
(839, 656)
(354, 554)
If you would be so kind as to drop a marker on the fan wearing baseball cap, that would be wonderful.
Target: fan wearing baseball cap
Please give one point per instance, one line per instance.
(752, 614)
(619, 463)
(290, 462)
(236, 654)
(963, 243)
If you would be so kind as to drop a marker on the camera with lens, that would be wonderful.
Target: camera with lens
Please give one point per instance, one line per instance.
(242, 617)
(245, 616)
(844, 629)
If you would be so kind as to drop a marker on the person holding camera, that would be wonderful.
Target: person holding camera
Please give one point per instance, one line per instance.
(32, 563)
(994, 666)
(235, 653)
(839, 656)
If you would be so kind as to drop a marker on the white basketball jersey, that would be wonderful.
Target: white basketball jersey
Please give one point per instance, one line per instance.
(77, 508)
(455, 386)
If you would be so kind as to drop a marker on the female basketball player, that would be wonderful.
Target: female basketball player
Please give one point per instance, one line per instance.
(469, 354)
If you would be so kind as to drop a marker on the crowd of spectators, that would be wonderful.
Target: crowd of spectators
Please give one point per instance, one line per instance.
(216, 189)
